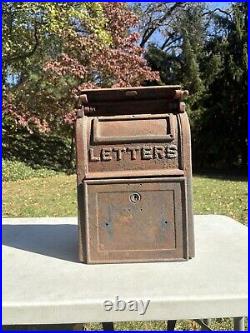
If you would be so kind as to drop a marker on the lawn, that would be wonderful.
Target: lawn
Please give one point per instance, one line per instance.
(55, 195)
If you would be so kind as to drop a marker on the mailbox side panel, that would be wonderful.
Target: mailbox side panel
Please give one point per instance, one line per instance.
(185, 139)
(80, 163)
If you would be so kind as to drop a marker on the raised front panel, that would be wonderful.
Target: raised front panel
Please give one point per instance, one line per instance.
(136, 220)
(127, 129)
(132, 143)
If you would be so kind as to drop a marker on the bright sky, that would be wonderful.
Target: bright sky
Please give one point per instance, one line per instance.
(218, 4)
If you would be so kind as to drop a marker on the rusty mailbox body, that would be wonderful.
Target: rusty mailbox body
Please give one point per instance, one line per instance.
(134, 176)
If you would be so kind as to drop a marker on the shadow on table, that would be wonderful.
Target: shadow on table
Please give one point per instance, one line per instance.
(58, 241)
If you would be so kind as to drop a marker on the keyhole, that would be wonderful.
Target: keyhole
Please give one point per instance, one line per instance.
(134, 197)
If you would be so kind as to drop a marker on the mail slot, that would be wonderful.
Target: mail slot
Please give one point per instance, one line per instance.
(134, 175)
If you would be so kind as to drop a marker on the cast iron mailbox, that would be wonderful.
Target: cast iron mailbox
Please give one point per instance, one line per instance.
(134, 175)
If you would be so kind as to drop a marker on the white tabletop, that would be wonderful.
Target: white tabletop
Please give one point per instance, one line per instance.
(43, 282)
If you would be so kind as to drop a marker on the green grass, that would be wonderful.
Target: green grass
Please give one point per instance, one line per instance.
(55, 195)
(16, 170)
(221, 196)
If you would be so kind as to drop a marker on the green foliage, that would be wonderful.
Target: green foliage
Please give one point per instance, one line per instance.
(29, 27)
(190, 25)
(38, 150)
(167, 64)
(204, 50)
(33, 34)
(207, 54)
(53, 51)
(221, 131)
(15, 170)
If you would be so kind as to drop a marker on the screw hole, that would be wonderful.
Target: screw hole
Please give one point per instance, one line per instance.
(166, 222)
(106, 224)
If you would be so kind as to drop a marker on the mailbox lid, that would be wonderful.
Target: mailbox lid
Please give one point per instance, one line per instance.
(134, 100)
(131, 93)
(133, 220)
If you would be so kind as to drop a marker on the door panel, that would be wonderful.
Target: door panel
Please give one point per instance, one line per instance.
(136, 220)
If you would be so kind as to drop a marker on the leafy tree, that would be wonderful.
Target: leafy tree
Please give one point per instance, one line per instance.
(167, 64)
(53, 50)
(222, 135)
(41, 29)
(181, 51)
(206, 51)
(33, 33)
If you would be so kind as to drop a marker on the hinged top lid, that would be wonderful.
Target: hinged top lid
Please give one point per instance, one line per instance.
(133, 93)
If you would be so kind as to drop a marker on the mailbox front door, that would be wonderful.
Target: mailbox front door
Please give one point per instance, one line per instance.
(128, 220)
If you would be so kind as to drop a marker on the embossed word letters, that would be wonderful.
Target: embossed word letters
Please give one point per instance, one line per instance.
(133, 153)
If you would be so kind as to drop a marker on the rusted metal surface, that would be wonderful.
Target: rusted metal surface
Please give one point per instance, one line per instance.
(134, 175)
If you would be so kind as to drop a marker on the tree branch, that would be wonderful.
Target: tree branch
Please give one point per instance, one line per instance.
(219, 10)
(158, 23)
